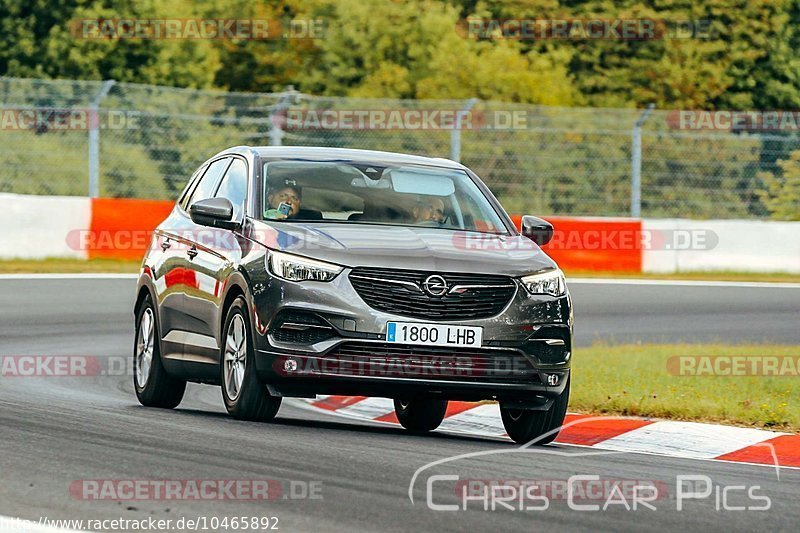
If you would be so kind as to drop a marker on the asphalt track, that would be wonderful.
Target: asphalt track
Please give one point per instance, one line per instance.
(56, 430)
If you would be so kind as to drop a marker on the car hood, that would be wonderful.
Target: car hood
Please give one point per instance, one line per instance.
(402, 247)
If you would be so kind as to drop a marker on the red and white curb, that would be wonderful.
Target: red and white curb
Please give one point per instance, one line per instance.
(690, 440)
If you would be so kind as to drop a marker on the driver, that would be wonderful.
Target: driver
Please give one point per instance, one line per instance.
(288, 192)
(284, 193)
(429, 209)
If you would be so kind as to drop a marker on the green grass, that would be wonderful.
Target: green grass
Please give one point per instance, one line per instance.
(67, 266)
(634, 380)
(108, 265)
(714, 275)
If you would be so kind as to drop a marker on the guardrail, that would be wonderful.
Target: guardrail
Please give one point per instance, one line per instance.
(88, 228)
(126, 140)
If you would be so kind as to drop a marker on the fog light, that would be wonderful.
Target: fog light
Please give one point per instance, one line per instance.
(290, 365)
(553, 379)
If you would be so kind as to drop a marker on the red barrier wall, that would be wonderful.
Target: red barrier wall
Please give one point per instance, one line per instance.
(121, 227)
(594, 243)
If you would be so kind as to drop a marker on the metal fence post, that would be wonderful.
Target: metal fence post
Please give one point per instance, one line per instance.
(455, 133)
(636, 163)
(94, 138)
(276, 132)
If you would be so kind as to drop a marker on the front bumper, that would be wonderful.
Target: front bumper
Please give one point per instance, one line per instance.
(525, 354)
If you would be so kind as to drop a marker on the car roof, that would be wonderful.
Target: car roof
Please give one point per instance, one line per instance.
(345, 154)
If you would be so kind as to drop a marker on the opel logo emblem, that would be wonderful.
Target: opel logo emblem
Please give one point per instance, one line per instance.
(435, 285)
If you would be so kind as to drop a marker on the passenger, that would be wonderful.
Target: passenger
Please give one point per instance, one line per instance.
(429, 209)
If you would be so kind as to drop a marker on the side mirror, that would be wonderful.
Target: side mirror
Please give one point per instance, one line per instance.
(214, 212)
(536, 229)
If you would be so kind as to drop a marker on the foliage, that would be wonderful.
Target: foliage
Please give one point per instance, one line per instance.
(716, 54)
(782, 193)
(744, 56)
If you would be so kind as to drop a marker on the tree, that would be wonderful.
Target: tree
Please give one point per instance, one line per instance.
(50, 43)
(782, 192)
(418, 52)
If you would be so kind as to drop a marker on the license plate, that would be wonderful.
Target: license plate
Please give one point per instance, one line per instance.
(433, 334)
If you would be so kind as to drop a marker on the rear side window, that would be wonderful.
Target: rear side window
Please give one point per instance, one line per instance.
(234, 187)
(205, 189)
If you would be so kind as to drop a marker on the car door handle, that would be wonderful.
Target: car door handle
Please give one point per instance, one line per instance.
(166, 244)
(192, 252)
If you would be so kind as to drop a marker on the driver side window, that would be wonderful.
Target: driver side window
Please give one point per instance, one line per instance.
(234, 187)
(205, 188)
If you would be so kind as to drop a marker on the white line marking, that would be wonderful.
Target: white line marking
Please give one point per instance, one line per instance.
(576, 281)
(69, 276)
(683, 283)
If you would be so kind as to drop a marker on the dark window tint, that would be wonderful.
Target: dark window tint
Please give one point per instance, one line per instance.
(205, 189)
(234, 187)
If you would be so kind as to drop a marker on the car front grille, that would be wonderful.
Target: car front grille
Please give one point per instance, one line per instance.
(400, 292)
(388, 360)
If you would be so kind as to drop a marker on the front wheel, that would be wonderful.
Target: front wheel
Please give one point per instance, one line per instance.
(153, 386)
(524, 426)
(420, 415)
(245, 396)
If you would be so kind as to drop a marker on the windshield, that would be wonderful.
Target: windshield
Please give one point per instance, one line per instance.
(356, 193)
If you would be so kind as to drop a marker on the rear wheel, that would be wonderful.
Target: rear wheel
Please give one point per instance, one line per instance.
(420, 415)
(245, 396)
(523, 426)
(154, 387)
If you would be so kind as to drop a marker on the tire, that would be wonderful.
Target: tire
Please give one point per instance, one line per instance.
(420, 415)
(153, 386)
(524, 426)
(245, 396)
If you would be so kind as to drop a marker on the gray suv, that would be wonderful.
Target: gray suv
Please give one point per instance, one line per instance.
(292, 272)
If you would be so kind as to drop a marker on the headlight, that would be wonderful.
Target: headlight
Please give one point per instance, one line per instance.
(552, 283)
(296, 268)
